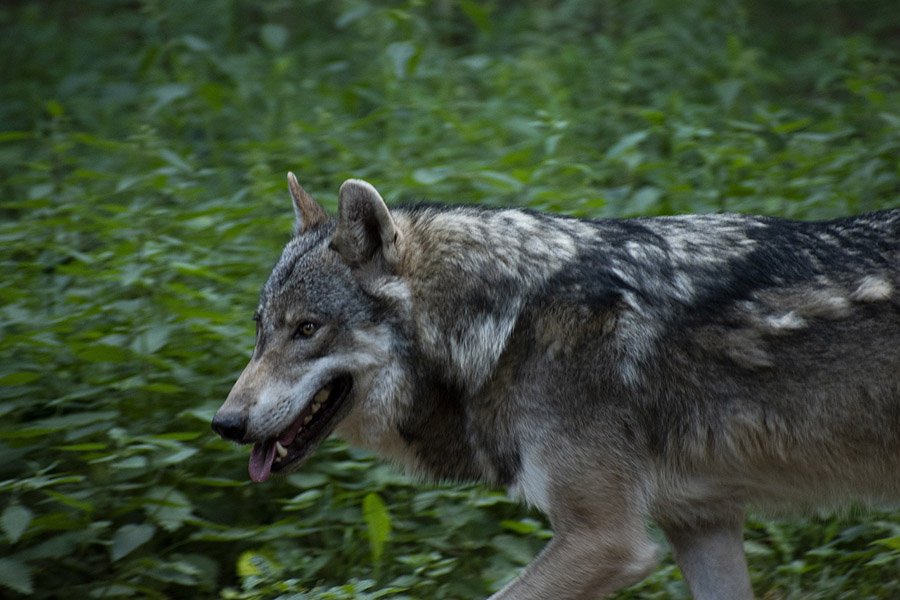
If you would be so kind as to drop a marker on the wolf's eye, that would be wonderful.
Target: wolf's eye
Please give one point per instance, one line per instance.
(305, 330)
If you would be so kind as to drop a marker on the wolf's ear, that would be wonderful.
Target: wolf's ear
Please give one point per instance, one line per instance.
(308, 212)
(365, 230)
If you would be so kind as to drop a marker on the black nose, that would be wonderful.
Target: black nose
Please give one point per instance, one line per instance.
(231, 426)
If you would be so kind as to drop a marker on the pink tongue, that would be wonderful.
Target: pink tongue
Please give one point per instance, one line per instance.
(261, 458)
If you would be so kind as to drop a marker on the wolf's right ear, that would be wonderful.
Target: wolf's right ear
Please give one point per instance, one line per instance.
(308, 212)
(366, 231)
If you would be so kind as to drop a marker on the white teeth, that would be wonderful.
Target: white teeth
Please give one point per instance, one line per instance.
(281, 450)
(317, 402)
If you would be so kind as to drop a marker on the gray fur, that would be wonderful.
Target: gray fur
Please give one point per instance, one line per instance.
(610, 373)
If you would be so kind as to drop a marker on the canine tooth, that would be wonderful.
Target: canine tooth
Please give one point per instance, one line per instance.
(307, 419)
(282, 451)
(322, 396)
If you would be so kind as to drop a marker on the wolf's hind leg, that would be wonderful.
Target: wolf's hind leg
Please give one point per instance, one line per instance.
(584, 564)
(711, 558)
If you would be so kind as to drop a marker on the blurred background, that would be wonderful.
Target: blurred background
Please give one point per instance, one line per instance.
(143, 153)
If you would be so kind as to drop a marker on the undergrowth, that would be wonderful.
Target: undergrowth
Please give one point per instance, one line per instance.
(143, 152)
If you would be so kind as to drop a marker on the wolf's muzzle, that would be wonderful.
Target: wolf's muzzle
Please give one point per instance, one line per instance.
(230, 425)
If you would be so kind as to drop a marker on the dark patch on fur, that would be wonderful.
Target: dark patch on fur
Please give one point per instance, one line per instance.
(792, 253)
(441, 433)
(507, 463)
(587, 281)
(436, 430)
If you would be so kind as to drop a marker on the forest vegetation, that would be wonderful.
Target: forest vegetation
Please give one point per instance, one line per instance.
(143, 152)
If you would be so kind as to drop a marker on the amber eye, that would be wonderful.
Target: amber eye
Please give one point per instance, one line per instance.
(305, 330)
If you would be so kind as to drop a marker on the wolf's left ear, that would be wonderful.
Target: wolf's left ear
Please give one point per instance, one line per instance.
(308, 212)
(366, 231)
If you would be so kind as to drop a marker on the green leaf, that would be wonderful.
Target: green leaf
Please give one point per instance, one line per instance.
(162, 388)
(432, 175)
(792, 126)
(195, 43)
(88, 447)
(15, 136)
(168, 93)
(169, 508)
(515, 548)
(14, 521)
(257, 564)
(175, 160)
(68, 500)
(627, 143)
(273, 36)
(642, 202)
(15, 575)
(352, 15)
(65, 422)
(403, 57)
(523, 526)
(891, 542)
(197, 270)
(100, 353)
(152, 339)
(303, 499)
(19, 378)
(55, 108)
(478, 13)
(179, 436)
(217, 482)
(499, 181)
(378, 524)
(132, 462)
(128, 538)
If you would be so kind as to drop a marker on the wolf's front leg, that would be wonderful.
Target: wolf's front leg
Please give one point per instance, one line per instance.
(584, 564)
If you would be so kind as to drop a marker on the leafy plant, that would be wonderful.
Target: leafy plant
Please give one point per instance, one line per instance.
(143, 152)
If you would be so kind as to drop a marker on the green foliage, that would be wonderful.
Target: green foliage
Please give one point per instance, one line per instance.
(378, 523)
(142, 200)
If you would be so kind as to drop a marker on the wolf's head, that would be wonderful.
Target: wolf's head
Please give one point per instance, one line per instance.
(326, 331)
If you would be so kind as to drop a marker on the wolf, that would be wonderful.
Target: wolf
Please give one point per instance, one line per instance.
(611, 373)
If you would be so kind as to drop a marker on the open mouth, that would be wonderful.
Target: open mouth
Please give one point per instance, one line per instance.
(293, 445)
